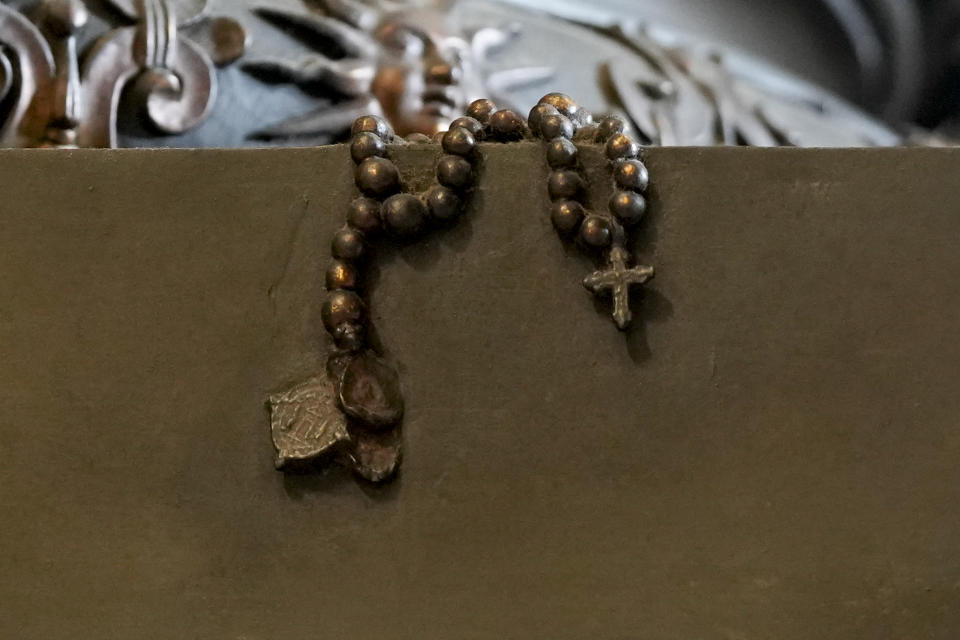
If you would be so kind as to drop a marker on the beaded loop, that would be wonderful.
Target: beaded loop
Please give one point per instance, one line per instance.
(367, 390)
(563, 123)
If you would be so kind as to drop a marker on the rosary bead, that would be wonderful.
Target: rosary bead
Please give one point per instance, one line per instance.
(404, 214)
(470, 124)
(561, 154)
(566, 216)
(366, 145)
(582, 118)
(347, 244)
(565, 185)
(454, 172)
(621, 146)
(364, 214)
(507, 125)
(458, 141)
(342, 310)
(481, 110)
(596, 231)
(586, 133)
(418, 138)
(537, 114)
(632, 175)
(556, 126)
(349, 336)
(372, 124)
(628, 206)
(562, 103)
(341, 275)
(378, 176)
(609, 127)
(444, 203)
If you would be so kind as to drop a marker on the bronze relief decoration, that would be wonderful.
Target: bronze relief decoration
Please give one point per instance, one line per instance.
(288, 72)
(58, 95)
(351, 414)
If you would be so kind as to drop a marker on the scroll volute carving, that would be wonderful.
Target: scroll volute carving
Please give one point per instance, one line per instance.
(49, 100)
(27, 67)
(174, 80)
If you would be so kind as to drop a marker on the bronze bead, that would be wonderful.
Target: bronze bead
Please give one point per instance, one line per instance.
(586, 133)
(556, 126)
(481, 110)
(454, 172)
(507, 125)
(561, 154)
(632, 175)
(347, 244)
(609, 127)
(582, 118)
(537, 114)
(470, 124)
(364, 214)
(366, 145)
(565, 185)
(444, 203)
(404, 214)
(458, 141)
(341, 275)
(566, 216)
(377, 176)
(418, 138)
(349, 336)
(628, 206)
(372, 124)
(341, 307)
(562, 103)
(596, 231)
(621, 146)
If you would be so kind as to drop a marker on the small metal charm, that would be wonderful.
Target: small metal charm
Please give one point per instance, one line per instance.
(617, 279)
(306, 423)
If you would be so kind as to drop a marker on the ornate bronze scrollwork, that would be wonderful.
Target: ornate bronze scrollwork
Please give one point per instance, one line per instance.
(174, 79)
(54, 101)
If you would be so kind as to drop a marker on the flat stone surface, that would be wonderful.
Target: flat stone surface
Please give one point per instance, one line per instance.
(772, 452)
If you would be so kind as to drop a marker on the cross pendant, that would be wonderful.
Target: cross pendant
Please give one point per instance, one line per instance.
(617, 279)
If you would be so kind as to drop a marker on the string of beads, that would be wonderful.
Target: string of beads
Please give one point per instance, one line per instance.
(366, 387)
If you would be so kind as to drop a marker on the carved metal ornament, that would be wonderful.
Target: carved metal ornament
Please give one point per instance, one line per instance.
(55, 100)
(352, 414)
(411, 66)
(73, 72)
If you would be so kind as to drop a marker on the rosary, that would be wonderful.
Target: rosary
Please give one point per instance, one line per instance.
(351, 414)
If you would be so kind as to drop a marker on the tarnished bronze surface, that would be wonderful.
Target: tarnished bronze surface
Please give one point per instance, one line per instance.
(770, 452)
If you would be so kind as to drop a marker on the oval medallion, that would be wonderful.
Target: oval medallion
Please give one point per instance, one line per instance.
(370, 392)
